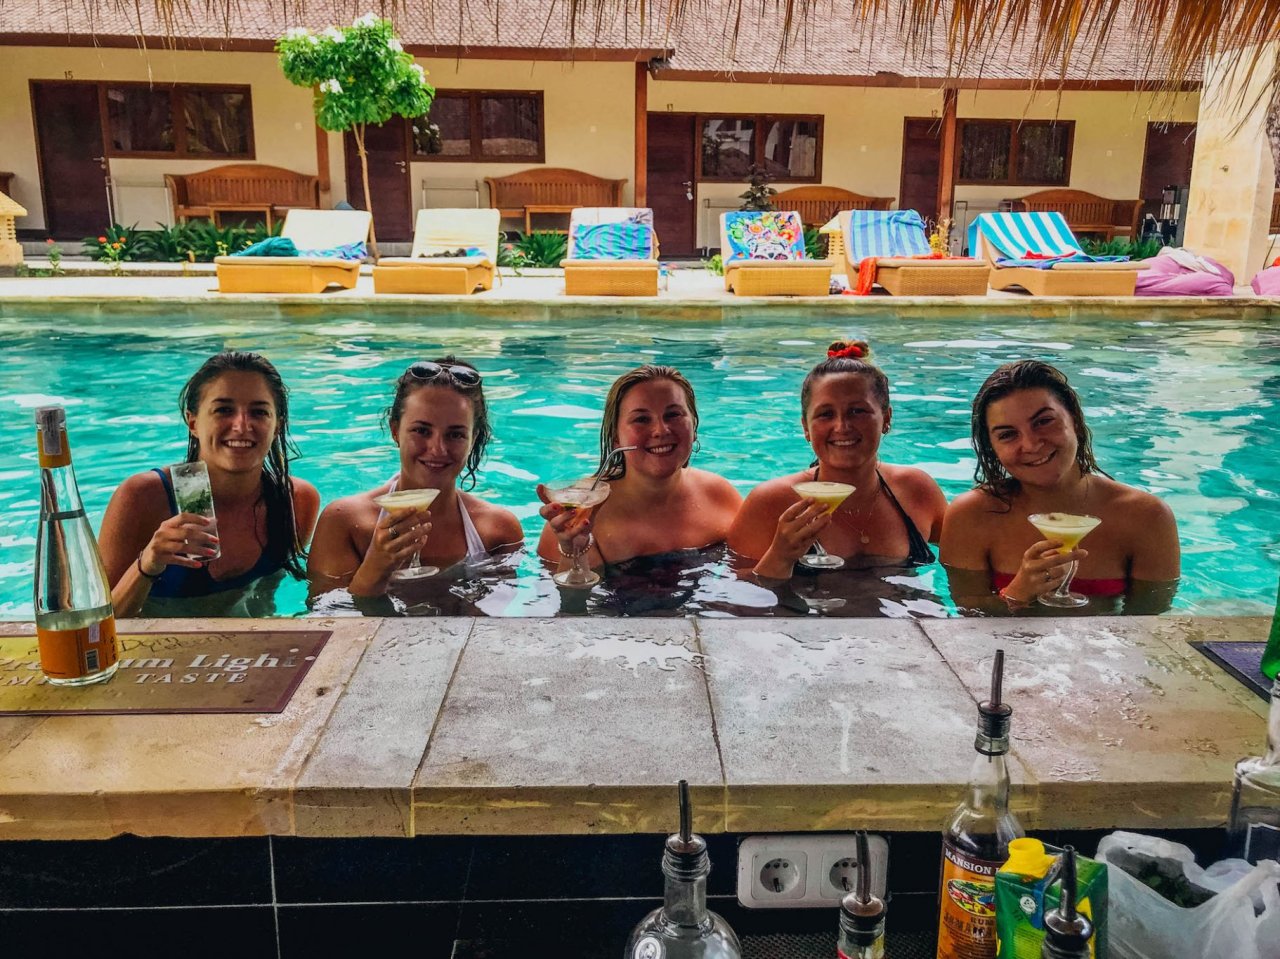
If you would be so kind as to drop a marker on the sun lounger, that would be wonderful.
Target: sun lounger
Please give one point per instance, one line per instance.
(763, 255)
(310, 230)
(1038, 252)
(611, 252)
(904, 265)
(438, 231)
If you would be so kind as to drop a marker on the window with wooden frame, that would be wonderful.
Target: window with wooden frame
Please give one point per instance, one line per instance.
(482, 126)
(180, 121)
(787, 147)
(1015, 152)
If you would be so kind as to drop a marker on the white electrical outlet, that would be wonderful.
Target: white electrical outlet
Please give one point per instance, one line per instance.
(806, 869)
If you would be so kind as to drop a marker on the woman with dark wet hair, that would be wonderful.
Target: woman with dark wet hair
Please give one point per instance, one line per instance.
(236, 409)
(440, 422)
(893, 513)
(1035, 455)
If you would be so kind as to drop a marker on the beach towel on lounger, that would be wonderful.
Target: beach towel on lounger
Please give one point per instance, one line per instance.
(627, 240)
(763, 235)
(1037, 240)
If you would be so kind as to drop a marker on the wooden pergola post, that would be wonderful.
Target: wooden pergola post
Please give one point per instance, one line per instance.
(947, 159)
(642, 135)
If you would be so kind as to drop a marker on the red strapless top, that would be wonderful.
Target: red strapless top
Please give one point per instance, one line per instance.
(1086, 587)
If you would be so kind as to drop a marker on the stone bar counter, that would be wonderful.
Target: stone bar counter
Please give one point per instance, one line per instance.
(524, 727)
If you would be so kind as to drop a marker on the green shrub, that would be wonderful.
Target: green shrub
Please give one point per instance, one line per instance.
(543, 248)
(115, 244)
(196, 240)
(1142, 249)
(509, 256)
(715, 265)
(815, 243)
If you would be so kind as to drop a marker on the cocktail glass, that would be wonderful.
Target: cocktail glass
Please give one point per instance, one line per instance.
(1067, 529)
(193, 494)
(830, 495)
(402, 500)
(581, 497)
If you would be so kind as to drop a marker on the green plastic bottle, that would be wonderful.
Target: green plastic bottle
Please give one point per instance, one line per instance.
(1271, 655)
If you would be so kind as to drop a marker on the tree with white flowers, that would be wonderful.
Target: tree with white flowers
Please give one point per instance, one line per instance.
(361, 74)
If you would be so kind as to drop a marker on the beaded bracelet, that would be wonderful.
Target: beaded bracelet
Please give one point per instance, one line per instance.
(150, 576)
(560, 546)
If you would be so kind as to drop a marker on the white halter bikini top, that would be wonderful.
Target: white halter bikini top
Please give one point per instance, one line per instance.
(476, 552)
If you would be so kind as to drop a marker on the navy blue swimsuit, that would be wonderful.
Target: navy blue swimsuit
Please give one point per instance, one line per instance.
(184, 582)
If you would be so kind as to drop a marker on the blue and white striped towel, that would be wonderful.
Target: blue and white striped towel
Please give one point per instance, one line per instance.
(1011, 236)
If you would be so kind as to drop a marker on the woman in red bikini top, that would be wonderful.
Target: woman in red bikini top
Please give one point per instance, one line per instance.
(1035, 456)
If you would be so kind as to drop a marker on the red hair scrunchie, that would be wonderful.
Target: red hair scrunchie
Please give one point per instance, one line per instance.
(853, 351)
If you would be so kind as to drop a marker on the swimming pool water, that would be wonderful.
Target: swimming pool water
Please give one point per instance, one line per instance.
(1185, 408)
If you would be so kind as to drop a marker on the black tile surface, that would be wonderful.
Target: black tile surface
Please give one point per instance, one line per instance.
(566, 929)
(129, 871)
(371, 869)
(914, 861)
(576, 867)
(243, 932)
(424, 931)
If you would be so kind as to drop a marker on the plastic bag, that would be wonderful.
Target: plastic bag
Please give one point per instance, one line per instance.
(1237, 919)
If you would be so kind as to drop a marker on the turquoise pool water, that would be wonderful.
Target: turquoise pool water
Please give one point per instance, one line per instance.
(1184, 408)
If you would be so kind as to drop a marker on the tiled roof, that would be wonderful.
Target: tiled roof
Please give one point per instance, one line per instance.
(830, 42)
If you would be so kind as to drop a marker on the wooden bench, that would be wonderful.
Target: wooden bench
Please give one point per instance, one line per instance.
(245, 187)
(549, 190)
(818, 204)
(1087, 212)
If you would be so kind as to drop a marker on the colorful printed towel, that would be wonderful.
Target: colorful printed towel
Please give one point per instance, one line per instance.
(767, 235)
(628, 240)
(1037, 240)
(348, 251)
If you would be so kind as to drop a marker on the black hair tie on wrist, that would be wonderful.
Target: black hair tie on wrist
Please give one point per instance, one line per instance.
(150, 576)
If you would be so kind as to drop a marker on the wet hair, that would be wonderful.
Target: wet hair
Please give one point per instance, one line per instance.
(989, 474)
(850, 362)
(613, 410)
(282, 544)
(481, 431)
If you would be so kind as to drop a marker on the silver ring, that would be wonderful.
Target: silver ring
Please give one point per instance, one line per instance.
(392, 531)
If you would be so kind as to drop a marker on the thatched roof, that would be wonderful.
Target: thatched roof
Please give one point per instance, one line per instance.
(1160, 42)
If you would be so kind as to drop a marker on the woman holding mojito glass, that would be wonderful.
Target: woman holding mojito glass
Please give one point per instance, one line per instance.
(1012, 540)
(419, 521)
(237, 412)
(848, 508)
(657, 503)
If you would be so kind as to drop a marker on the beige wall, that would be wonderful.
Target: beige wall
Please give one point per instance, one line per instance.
(283, 129)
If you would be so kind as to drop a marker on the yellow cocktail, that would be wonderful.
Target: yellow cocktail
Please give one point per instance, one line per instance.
(401, 501)
(1068, 529)
(580, 498)
(830, 495)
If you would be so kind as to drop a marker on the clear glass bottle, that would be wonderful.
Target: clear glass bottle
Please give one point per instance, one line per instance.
(75, 622)
(682, 927)
(1066, 931)
(1253, 829)
(862, 915)
(975, 841)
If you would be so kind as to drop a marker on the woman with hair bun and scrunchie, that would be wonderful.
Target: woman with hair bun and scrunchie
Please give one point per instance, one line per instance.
(893, 513)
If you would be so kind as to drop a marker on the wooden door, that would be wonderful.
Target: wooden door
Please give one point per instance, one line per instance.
(73, 165)
(388, 149)
(671, 187)
(1167, 162)
(921, 166)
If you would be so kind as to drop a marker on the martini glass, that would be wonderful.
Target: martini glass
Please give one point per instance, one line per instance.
(830, 495)
(409, 499)
(1067, 529)
(579, 497)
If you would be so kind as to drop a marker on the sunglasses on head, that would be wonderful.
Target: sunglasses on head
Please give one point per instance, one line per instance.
(462, 375)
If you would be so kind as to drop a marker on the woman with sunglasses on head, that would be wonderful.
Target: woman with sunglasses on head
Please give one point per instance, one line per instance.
(440, 422)
(1035, 455)
(658, 503)
(893, 513)
(236, 409)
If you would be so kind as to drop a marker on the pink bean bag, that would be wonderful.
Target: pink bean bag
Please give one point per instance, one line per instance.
(1267, 282)
(1178, 272)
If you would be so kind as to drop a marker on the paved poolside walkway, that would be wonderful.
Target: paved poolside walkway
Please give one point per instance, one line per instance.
(685, 285)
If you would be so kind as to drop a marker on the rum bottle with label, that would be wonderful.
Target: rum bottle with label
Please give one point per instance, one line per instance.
(75, 622)
(682, 927)
(1253, 830)
(862, 914)
(975, 842)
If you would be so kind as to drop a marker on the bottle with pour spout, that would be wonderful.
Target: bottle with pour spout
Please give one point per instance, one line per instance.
(975, 842)
(862, 914)
(75, 621)
(682, 927)
(1066, 930)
